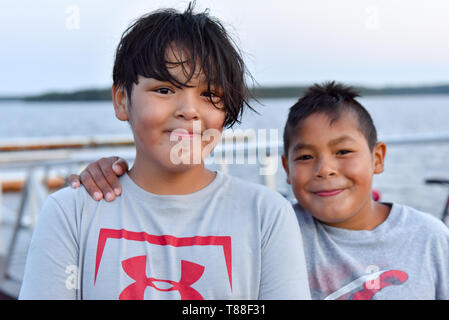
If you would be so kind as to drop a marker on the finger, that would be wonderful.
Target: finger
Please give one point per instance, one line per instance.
(74, 181)
(95, 170)
(109, 174)
(120, 166)
(90, 185)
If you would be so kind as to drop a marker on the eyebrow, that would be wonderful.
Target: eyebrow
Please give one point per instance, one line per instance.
(340, 140)
(300, 146)
(333, 142)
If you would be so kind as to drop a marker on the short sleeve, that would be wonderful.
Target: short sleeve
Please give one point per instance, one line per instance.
(52, 263)
(441, 258)
(284, 272)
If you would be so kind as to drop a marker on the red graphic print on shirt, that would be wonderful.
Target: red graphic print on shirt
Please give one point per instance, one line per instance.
(136, 267)
(388, 278)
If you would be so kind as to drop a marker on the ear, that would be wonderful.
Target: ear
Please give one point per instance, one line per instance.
(379, 152)
(120, 101)
(285, 165)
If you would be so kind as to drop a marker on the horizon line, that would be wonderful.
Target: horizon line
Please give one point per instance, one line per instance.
(270, 87)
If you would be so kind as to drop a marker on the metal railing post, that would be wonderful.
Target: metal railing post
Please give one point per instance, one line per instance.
(18, 222)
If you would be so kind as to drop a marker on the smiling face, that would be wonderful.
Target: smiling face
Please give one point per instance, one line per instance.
(330, 168)
(161, 114)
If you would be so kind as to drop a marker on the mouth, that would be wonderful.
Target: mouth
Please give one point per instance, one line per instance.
(328, 193)
(183, 134)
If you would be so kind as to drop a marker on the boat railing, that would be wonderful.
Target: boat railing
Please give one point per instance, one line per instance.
(65, 157)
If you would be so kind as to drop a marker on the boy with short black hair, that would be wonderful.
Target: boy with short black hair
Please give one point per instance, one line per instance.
(179, 230)
(356, 248)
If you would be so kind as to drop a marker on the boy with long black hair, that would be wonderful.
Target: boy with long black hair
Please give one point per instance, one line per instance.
(179, 230)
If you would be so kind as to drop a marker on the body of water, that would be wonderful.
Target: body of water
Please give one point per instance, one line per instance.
(406, 165)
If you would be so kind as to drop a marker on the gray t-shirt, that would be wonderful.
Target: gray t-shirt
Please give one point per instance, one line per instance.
(230, 240)
(405, 257)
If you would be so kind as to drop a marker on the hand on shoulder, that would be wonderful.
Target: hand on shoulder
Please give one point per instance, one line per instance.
(100, 178)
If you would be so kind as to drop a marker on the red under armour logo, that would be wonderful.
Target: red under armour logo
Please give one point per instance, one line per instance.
(136, 268)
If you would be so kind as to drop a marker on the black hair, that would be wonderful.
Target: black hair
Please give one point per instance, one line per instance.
(332, 99)
(143, 47)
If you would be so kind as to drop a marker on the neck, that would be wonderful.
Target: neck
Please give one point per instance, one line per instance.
(164, 182)
(368, 217)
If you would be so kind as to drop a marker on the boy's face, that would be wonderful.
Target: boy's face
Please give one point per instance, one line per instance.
(161, 115)
(330, 168)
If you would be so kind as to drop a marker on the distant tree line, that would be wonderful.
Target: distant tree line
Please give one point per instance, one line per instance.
(297, 91)
(81, 95)
(258, 92)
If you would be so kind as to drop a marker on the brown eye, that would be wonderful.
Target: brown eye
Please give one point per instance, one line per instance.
(303, 158)
(343, 152)
(214, 98)
(163, 90)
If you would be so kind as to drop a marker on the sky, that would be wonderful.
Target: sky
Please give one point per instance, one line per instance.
(61, 45)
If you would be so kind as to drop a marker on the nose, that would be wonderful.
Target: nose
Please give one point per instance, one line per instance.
(187, 106)
(325, 168)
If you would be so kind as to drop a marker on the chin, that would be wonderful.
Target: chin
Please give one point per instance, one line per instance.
(328, 215)
(181, 168)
